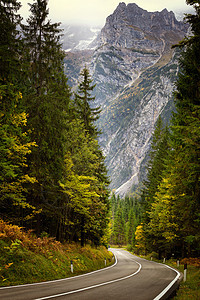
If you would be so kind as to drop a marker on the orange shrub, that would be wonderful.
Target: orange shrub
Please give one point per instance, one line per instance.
(191, 261)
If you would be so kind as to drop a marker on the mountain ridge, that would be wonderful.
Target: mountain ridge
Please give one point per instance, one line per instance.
(134, 69)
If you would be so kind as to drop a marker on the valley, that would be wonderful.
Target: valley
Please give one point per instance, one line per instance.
(134, 69)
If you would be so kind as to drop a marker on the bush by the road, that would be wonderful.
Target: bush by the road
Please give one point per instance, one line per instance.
(25, 258)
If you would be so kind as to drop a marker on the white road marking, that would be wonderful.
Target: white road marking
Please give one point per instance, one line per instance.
(170, 285)
(101, 284)
(94, 286)
(58, 280)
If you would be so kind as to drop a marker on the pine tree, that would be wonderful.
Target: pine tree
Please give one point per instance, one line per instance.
(91, 162)
(156, 168)
(47, 99)
(131, 227)
(174, 214)
(156, 165)
(186, 138)
(43, 49)
(119, 229)
(10, 44)
(83, 104)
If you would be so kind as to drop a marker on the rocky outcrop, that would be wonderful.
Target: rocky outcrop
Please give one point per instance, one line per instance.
(131, 41)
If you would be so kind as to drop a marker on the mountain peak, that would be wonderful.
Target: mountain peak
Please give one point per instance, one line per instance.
(122, 5)
(133, 16)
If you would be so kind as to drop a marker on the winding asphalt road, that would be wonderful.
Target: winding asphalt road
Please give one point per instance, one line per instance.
(130, 278)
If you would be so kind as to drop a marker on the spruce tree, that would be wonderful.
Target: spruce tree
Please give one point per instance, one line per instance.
(15, 144)
(131, 227)
(119, 227)
(83, 104)
(185, 163)
(47, 102)
(10, 45)
(156, 165)
(156, 169)
(94, 166)
(174, 214)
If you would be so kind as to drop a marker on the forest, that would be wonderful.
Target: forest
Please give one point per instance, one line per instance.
(167, 220)
(53, 179)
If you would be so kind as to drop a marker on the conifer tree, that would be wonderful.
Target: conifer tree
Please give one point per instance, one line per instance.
(156, 169)
(83, 104)
(185, 163)
(10, 44)
(131, 227)
(156, 165)
(119, 229)
(94, 165)
(47, 102)
(15, 143)
(174, 214)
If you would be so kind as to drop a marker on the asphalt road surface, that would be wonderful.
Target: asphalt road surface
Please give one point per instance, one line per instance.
(130, 278)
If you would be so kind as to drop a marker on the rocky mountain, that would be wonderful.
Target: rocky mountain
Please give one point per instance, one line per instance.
(134, 69)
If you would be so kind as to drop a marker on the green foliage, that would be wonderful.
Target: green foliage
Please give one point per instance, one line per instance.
(82, 102)
(156, 164)
(25, 258)
(14, 147)
(10, 45)
(156, 168)
(126, 215)
(172, 212)
(57, 184)
(119, 229)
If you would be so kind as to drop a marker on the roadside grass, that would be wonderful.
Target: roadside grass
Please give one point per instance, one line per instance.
(190, 289)
(24, 258)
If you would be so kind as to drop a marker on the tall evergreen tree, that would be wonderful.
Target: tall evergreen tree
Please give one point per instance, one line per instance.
(156, 169)
(186, 138)
(83, 104)
(119, 229)
(156, 165)
(131, 227)
(96, 167)
(15, 143)
(47, 102)
(174, 215)
(10, 44)
(43, 49)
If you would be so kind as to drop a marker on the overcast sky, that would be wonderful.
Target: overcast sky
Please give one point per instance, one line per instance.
(95, 12)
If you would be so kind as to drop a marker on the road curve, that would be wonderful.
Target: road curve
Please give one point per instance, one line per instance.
(130, 278)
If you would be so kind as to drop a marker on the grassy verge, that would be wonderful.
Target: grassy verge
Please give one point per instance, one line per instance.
(25, 258)
(190, 289)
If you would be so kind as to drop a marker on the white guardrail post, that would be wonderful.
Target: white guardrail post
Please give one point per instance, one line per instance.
(72, 269)
(185, 272)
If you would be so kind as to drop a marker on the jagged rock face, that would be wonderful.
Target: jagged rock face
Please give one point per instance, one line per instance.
(131, 41)
(134, 70)
(128, 123)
